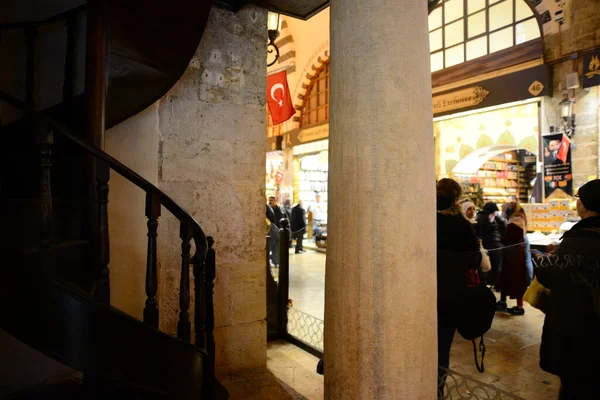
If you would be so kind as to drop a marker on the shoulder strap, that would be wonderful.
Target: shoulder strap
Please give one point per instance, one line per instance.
(480, 367)
(592, 229)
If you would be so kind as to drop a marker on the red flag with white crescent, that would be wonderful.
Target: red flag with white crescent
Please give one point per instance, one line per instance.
(279, 98)
(563, 152)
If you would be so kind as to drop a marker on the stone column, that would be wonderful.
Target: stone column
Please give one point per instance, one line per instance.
(212, 162)
(380, 285)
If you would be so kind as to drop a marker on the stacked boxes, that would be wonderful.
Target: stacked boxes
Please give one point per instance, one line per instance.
(547, 217)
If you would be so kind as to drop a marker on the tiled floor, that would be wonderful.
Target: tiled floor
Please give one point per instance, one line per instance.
(296, 368)
(512, 344)
(512, 357)
(307, 277)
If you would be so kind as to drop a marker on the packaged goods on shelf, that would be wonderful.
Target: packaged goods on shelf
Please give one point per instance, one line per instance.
(545, 217)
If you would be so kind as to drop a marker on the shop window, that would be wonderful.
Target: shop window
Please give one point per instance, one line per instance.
(315, 109)
(477, 28)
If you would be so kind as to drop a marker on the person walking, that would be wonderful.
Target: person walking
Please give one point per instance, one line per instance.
(490, 227)
(299, 226)
(515, 274)
(458, 253)
(570, 345)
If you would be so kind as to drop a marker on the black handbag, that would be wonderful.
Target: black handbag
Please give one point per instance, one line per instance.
(475, 314)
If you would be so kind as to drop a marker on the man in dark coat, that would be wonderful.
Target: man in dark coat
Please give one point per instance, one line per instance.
(287, 207)
(277, 210)
(273, 236)
(571, 337)
(299, 226)
(279, 214)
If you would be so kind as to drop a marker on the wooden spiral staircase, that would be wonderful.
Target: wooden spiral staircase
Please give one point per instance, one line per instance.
(71, 69)
(54, 186)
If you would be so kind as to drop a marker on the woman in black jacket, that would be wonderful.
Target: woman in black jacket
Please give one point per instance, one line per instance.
(489, 228)
(457, 252)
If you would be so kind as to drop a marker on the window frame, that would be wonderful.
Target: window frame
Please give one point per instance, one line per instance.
(321, 74)
(465, 17)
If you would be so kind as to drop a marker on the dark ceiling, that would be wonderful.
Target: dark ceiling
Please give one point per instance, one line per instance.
(302, 9)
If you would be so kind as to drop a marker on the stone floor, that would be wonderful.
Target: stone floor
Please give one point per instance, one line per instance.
(307, 277)
(296, 368)
(512, 357)
(512, 344)
(259, 386)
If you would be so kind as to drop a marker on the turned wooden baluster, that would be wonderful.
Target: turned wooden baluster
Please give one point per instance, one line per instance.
(210, 275)
(45, 139)
(199, 302)
(152, 212)
(103, 259)
(30, 34)
(184, 326)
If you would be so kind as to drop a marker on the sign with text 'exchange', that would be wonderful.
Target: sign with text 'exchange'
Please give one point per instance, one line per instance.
(463, 98)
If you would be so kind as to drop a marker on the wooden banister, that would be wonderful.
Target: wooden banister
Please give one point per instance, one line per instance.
(117, 166)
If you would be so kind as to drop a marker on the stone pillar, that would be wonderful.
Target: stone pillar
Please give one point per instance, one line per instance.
(212, 162)
(380, 285)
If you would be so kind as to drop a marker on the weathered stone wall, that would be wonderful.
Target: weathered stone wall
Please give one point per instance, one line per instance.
(586, 108)
(135, 143)
(211, 161)
(583, 32)
(582, 29)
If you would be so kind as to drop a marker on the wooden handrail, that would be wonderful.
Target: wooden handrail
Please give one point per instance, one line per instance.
(58, 17)
(124, 171)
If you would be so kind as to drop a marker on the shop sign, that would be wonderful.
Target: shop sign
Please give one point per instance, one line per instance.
(459, 99)
(536, 88)
(307, 135)
(520, 85)
(558, 174)
(591, 69)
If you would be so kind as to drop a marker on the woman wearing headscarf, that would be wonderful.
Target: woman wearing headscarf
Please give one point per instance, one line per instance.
(468, 210)
(517, 269)
(458, 254)
(490, 228)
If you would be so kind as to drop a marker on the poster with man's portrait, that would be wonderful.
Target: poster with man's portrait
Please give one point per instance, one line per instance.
(558, 175)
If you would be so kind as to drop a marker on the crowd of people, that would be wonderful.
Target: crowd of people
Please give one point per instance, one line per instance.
(296, 226)
(569, 276)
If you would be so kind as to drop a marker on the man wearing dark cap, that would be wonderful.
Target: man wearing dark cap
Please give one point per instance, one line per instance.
(571, 338)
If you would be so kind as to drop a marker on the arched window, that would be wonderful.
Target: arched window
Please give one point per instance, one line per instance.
(464, 30)
(315, 109)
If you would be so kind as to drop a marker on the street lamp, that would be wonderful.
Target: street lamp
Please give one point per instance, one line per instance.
(273, 26)
(566, 111)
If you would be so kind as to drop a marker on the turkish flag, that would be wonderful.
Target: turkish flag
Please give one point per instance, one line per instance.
(563, 152)
(279, 98)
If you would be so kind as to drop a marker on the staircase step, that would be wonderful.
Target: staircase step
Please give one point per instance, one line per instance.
(57, 245)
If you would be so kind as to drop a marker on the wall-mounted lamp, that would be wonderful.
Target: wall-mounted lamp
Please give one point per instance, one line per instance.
(273, 27)
(566, 110)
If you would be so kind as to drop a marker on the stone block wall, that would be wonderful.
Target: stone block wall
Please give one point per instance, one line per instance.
(583, 29)
(211, 161)
(583, 32)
